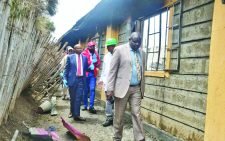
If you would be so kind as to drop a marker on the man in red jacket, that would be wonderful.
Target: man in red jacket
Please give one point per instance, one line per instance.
(94, 63)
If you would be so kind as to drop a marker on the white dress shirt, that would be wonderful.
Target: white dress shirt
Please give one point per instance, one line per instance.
(81, 61)
(105, 69)
(63, 63)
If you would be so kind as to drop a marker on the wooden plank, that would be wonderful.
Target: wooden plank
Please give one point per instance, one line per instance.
(186, 82)
(177, 9)
(170, 33)
(155, 73)
(175, 128)
(175, 38)
(3, 52)
(196, 32)
(169, 2)
(176, 19)
(200, 14)
(182, 98)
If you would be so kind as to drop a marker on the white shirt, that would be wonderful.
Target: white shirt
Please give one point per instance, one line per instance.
(81, 61)
(63, 63)
(105, 69)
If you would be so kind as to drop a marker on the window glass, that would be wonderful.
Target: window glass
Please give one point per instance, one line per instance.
(151, 25)
(155, 40)
(145, 35)
(157, 22)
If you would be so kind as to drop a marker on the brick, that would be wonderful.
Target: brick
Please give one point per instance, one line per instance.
(195, 49)
(191, 100)
(182, 115)
(198, 15)
(196, 32)
(196, 83)
(188, 4)
(173, 127)
(194, 66)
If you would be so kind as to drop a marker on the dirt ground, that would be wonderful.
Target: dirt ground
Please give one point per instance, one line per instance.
(25, 111)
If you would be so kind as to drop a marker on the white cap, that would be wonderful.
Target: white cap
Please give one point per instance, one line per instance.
(69, 48)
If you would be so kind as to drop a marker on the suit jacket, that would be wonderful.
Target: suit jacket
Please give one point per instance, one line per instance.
(71, 69)
(120, 71)
(97, 65)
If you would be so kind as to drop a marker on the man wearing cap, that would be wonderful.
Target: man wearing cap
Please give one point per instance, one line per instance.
(69, 50)
(74, 74)
(126, 83)
(110, 44)
(94, 63)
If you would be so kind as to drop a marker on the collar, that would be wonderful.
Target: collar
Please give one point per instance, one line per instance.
(135, 50)
(132, 49)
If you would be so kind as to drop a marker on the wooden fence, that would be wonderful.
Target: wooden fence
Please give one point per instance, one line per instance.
(27, 57)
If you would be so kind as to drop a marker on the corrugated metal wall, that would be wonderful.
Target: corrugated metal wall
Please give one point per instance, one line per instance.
(21, 49)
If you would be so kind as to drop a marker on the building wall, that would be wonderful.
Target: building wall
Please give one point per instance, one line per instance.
(124, 31)
(101, 54)
(177, 104)
(215, 123)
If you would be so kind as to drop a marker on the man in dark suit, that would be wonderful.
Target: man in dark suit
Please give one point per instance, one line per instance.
(74, 77)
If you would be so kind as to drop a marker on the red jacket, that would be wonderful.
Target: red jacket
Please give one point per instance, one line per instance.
(87, 53)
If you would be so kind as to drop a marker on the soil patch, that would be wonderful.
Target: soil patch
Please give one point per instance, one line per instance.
(24, 110)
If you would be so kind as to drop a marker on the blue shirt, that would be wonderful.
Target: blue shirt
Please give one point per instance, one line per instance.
(134, 77)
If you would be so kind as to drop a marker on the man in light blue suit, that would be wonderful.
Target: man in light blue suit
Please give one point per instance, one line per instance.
(74, 77)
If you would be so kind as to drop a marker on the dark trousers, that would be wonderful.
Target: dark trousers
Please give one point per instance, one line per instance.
(76, 94)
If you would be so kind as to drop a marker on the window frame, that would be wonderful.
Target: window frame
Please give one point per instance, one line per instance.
(165, 72)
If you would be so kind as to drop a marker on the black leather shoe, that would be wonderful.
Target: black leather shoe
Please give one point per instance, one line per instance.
(107, 123)
(79, 119)
(92, 110)
(84, 109)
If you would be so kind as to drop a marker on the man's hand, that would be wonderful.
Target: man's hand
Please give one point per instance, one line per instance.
(91, 67)
(109, 95)
(61, 74)
(100, 82)
(65, 83)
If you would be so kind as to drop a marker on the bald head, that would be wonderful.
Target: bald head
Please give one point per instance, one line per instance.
(135, 35)
(135, 40)
(77, 46)
(78, 49)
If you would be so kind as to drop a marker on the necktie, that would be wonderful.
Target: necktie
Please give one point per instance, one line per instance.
(137, 63)
(79, 66)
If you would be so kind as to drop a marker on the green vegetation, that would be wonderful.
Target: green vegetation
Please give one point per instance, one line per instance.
(44, 25)
(41, 9)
